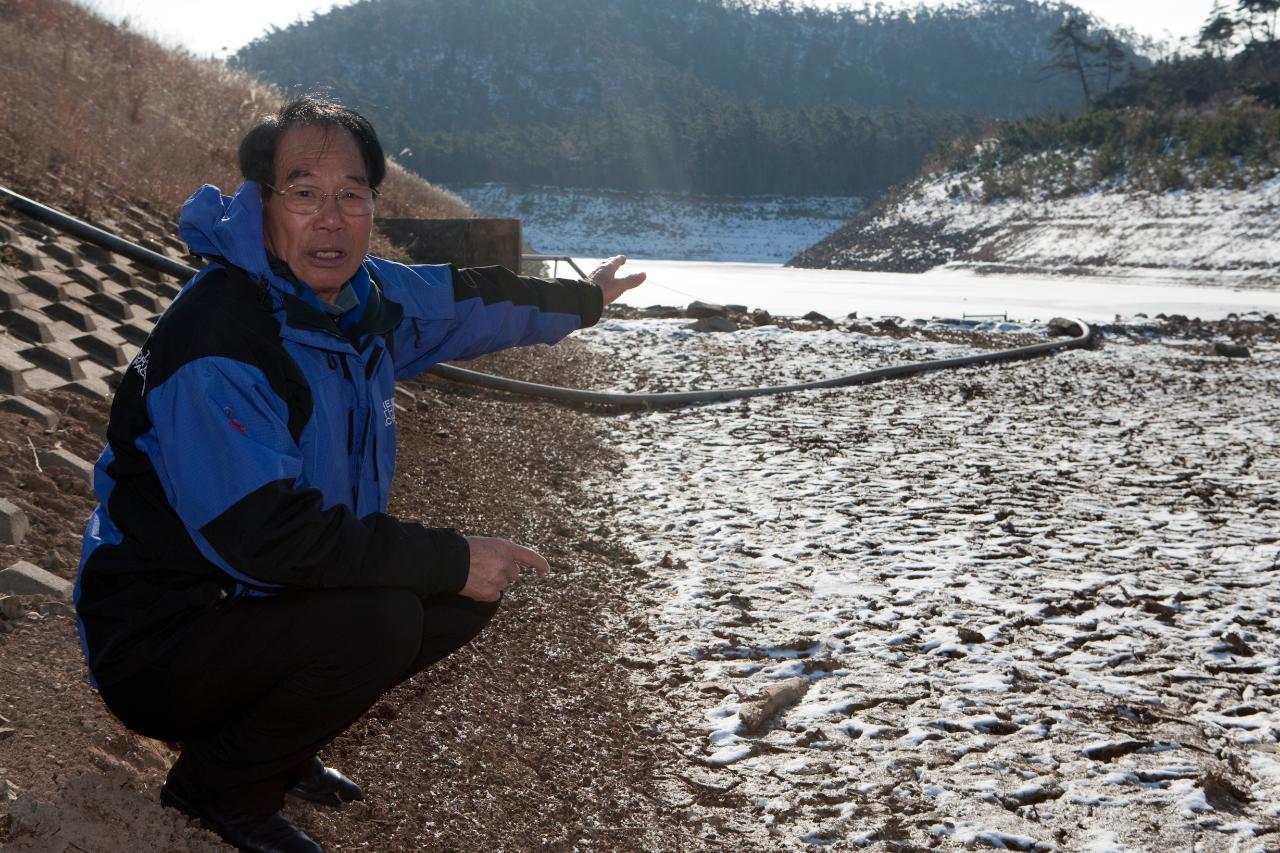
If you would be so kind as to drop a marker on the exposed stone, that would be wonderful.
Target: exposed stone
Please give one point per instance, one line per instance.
(821, 319)
(1113, 749)
(1061, 327)
(62, 458)
(46, 417)
(713, 324)
(757, 711)
(697, 310)
(661, 312)
(13, 523)
(23, 578)
(761, 317)
(1231, 350)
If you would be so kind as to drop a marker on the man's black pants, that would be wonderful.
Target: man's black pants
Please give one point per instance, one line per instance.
(256, 687)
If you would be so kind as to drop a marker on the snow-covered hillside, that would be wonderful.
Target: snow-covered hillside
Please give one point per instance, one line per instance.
(1110, 228)
(598, 223)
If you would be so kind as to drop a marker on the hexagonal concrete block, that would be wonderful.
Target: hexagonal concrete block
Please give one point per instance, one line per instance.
(42, 415)
(61, 458)
(13, 523)
(23, 578)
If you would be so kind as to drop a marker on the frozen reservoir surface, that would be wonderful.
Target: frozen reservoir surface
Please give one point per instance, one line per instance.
(943, 292)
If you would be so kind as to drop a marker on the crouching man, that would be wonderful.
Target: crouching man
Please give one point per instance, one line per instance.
(242, 589)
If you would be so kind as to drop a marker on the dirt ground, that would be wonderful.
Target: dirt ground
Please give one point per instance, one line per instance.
(533, 738)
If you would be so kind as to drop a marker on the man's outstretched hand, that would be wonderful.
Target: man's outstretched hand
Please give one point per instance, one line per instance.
(606, 277)
(495, 564)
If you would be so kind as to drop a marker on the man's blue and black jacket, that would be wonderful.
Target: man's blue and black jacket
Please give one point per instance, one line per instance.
(252, 440)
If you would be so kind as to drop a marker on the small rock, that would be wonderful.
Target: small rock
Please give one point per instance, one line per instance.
(968, 635)
(1231, 350)
(1061, 327)
(1223, 794)
(713, 324)
(697, 310)
(755, 713)
(1235, 644)
(820, 319)
(761, 317)
(1113, 749)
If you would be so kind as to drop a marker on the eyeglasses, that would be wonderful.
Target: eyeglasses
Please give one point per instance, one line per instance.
(306, 199)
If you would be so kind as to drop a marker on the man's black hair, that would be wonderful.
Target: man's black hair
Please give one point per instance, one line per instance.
(258, 148)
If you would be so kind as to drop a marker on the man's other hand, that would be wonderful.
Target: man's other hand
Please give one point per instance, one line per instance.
(606, 277)
(495, 565)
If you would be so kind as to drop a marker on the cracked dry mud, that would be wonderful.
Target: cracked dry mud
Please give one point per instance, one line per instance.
(1031, 606)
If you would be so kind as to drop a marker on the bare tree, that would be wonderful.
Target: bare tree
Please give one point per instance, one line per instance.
(1098, 63)
(1259, 18)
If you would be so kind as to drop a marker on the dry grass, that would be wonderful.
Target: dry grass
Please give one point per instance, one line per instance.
(94, 117)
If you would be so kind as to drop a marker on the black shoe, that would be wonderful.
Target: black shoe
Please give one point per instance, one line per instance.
(326, 786)
(248, 833)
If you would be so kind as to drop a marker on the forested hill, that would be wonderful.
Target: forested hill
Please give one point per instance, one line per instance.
(711, 95)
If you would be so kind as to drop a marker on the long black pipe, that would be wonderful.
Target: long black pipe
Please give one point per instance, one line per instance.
(93, 234)
(167, 265)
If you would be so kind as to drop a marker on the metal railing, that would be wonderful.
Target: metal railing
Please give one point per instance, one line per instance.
(555, 260)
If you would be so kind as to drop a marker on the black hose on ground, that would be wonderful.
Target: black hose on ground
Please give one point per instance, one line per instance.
(167, 265)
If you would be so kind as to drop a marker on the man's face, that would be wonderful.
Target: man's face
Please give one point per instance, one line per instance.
(323, 249)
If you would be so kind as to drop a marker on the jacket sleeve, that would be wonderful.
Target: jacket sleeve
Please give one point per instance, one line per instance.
(452, 313)
(229, 464)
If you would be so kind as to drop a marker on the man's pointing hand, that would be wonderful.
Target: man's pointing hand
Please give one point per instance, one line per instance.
(495, 564)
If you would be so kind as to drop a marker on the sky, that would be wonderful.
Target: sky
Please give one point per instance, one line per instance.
(217, 29)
